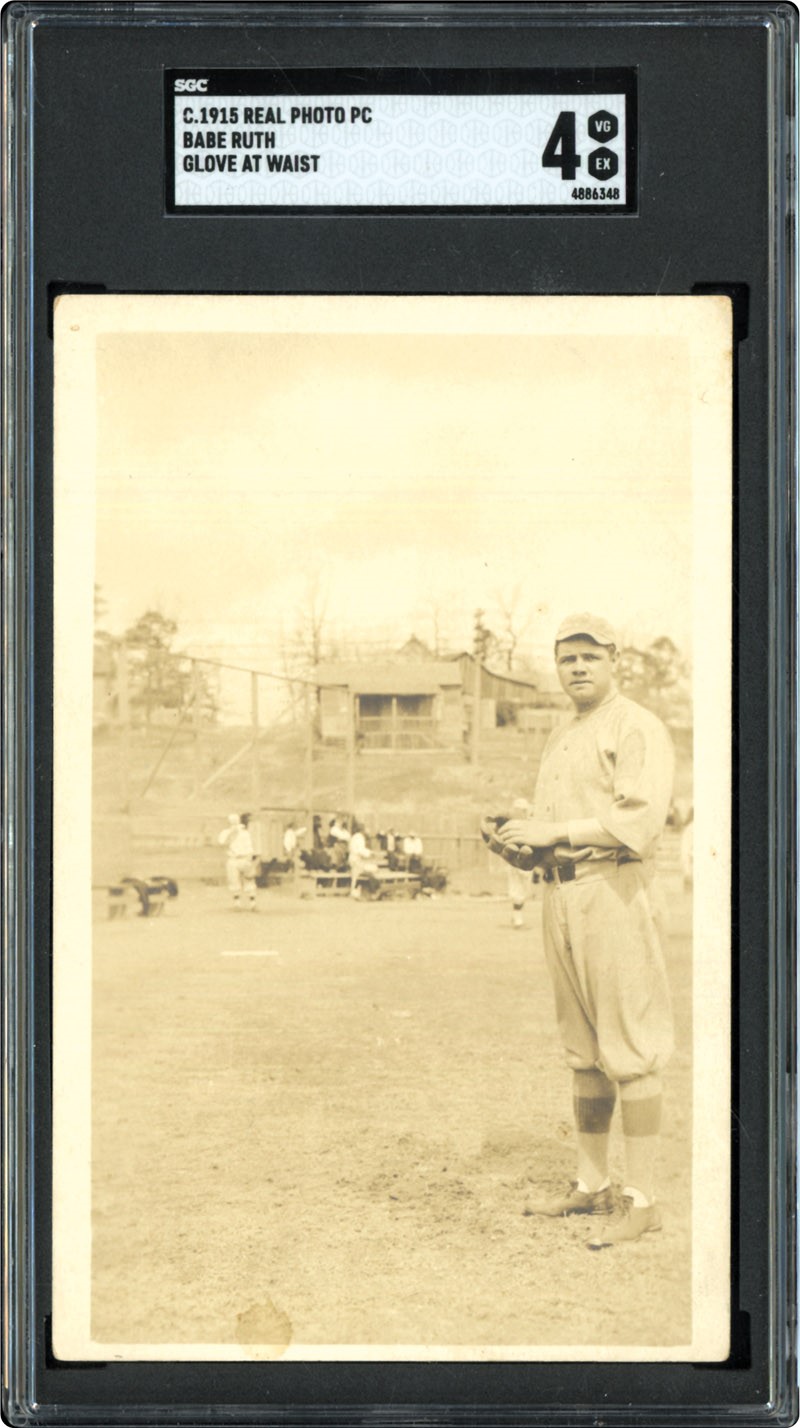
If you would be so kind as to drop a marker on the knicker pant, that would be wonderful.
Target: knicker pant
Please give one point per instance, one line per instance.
(240, 875)
(520, 885)
(607, 966)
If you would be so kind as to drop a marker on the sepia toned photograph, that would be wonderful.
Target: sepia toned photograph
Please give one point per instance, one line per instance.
(392, 828)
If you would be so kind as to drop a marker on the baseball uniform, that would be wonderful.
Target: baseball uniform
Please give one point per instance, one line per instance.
(609, 768)
(239, 867)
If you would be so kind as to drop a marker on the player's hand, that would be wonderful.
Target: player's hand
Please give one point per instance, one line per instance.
(530, 832)
(519, 853)
(490, 824)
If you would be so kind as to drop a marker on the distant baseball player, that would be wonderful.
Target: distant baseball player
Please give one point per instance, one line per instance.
(600, 806)
(362, 861)
(520, 880)
(240, 871)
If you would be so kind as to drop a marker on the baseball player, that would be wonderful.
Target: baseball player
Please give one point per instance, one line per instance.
(601, 802)
(520, 880)
(362, 862)
(240, 872)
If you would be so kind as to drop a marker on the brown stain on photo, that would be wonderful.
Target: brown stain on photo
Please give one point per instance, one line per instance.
(264, 1330)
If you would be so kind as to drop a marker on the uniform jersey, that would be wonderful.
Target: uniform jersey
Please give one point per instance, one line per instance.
(612, 766)
(237, 841)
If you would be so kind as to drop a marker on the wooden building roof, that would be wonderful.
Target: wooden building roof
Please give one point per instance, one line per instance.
(425, 678)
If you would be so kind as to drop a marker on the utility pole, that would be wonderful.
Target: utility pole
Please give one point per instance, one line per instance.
(476, 712)
(350, 789)
(255, 782)
(480, 643)
(195, 688)
(124, 717)
(308, 721)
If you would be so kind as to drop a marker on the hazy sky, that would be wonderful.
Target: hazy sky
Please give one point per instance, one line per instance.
(404, 470)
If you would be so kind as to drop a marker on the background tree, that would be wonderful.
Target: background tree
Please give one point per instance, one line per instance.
(160, 677)
(484, 640)
(514, 624)
(310, 624)
(306, 644)
(658, 677)
(439, 612)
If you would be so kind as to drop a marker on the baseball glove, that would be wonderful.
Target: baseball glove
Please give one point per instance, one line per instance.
(519, 855)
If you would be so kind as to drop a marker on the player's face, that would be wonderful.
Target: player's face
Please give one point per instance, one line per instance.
(586, 671)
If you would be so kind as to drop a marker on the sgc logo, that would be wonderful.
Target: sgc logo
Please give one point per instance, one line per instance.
(191, 86)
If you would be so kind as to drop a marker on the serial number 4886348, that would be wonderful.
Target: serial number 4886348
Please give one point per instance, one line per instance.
(595, 195)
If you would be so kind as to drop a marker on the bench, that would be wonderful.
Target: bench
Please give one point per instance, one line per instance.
(395, 884)
(378, 885)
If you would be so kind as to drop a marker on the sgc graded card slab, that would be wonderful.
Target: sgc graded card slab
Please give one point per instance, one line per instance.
(399, 545)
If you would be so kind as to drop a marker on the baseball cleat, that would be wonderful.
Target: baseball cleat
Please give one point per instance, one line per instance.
(574, 1202)
(630, 1223)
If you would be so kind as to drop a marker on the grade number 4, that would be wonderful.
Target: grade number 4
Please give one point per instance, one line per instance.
(561, 150)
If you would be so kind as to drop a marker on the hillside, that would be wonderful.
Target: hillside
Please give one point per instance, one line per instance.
(163, 768)
(160, 802)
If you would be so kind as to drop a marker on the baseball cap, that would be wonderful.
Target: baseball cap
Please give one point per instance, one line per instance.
(593, 627)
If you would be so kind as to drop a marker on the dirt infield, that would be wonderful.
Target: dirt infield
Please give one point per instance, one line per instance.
(330, 1139)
